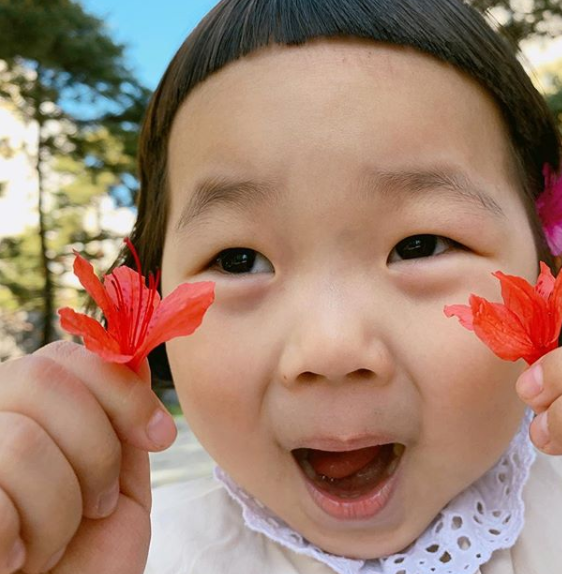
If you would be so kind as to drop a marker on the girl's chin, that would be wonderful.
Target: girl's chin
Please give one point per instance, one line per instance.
(369, 546)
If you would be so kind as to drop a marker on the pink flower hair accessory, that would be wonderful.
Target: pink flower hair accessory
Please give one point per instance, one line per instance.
(549, 208)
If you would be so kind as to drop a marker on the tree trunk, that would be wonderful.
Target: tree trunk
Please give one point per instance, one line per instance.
(48, 291)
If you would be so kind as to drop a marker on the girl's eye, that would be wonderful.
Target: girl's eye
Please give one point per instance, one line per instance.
(238, 260)
(417, 246)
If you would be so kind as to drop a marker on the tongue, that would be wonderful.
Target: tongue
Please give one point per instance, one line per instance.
(341, 464)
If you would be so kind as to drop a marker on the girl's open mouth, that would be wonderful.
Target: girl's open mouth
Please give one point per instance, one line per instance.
(353, 484)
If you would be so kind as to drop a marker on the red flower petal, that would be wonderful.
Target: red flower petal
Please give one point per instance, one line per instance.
(88, 279)
(178, 315)
(555, 306)
(137, 319)
(464, 314)
(96, 338)
(135, 303)
(501, 330)
(127, 282)
(526, 326)
(545, 282)
(525, 303)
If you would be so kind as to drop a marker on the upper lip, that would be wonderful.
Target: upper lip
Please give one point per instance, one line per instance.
(343, 444)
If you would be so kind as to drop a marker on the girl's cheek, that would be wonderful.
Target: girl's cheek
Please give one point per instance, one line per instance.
(220, 403)
(458, 375)
(211, 382)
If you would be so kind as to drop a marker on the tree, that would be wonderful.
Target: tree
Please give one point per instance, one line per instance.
(67, 75)
(555, 101)
(519, 20)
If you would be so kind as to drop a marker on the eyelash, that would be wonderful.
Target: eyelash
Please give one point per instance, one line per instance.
(417, 238)
(240, 251)
(408, 243)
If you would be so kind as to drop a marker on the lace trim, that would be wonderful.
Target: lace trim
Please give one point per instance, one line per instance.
(487, 516)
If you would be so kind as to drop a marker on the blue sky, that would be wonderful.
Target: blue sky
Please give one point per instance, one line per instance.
(152, 30)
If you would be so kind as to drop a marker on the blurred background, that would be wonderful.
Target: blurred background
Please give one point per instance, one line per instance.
(75, 79)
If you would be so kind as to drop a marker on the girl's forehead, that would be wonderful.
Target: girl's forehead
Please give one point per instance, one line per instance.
(318, 56)
(334, 81)
(342, 103)
(333, 65)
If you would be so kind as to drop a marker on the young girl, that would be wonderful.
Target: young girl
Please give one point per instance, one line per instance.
(342, 170)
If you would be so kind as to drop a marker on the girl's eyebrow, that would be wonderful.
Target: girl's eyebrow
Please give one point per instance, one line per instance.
(396, 187)
(222, 191)
(447, 183)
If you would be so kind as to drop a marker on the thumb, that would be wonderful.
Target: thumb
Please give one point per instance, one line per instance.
(144, 372)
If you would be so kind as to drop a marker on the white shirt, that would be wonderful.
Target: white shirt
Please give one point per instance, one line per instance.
(198, 529)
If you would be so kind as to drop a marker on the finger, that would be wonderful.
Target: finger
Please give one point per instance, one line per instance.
(138, 416)
(41, 485)
(144, 373)
(125, 534)
(546, 429)
(541, 383)
(135, 476)
(75, 420)
(12, 549)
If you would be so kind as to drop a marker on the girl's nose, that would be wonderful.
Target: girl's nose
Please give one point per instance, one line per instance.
(336, 340)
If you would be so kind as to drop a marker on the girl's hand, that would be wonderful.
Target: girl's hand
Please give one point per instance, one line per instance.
(74, 469)
(540, 386)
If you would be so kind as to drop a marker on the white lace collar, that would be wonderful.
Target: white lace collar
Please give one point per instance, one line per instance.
(487, 516)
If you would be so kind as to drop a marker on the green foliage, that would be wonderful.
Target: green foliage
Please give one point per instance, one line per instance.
(555, 103)
(521, 20)
(63, 72)
(21, 287)
(554, 95)
(65, 67)
(73, 45)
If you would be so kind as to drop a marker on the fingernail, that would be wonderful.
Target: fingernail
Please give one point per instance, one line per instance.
(16, 557)
(161, 429)
(530, 383)
(542, 434)
(108, 500)
(54, 560)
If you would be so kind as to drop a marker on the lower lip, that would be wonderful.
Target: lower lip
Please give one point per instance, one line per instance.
(361, 508)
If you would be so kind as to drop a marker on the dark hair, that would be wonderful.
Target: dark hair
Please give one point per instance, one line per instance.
(449, 30)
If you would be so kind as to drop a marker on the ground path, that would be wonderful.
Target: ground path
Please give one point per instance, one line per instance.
(185, 459)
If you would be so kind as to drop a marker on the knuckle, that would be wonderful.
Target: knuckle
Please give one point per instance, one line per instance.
(9, 520)
(135, 399)
(108, 458)
(52, 376)
(555, 420)
(22, 436)
(35, 367)
(62, 349)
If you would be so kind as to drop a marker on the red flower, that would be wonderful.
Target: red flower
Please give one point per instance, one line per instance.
(526, 326)
(137, 319)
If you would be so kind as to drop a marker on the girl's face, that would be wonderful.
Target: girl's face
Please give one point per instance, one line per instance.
(340, 194)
